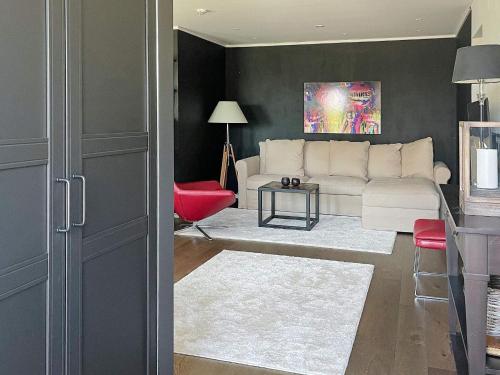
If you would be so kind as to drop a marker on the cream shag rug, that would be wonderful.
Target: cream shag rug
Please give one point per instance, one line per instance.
(334, 232)
(277, 312)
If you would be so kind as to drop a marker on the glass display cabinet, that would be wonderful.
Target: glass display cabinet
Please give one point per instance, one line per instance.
(479, 144)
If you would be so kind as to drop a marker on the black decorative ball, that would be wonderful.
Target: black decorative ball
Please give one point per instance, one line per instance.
(295, 181)
(285, 181)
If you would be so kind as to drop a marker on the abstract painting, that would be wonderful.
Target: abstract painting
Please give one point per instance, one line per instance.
(342, 107)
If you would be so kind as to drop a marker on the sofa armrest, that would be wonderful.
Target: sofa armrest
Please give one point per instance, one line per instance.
(244, 169)
(442, 173)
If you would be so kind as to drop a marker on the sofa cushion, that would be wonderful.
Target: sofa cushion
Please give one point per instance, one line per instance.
(384, 160)
(339, 185)
(262, 154)
(349, 159)
(417, 159)
(411, 192)
(316, 158)
(257, 180)
(285, 157)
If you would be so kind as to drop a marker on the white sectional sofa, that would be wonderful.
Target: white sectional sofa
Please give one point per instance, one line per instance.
(388, 186)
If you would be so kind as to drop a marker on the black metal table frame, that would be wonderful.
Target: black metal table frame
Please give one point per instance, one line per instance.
(310, 222)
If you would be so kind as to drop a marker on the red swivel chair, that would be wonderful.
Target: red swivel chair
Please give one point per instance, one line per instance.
(194, 201)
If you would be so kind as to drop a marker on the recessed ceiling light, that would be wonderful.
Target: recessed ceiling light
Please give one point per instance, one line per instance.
(319, 26)
(419, 19)
(202, 11)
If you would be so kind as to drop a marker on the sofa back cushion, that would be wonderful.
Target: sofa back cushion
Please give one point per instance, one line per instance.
(384, 161)
(417, 159)
(262, 154)
(349, 159)
(285, 157)
(316, 158)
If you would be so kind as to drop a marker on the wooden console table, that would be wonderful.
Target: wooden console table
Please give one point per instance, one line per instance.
(473, 254)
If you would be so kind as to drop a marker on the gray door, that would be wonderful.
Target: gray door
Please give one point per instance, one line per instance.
(108, 257)
(31, 128)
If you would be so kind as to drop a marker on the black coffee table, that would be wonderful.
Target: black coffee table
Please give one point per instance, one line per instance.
(305, 189)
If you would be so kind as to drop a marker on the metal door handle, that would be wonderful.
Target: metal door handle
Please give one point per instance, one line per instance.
(84, 200)
(67, 226)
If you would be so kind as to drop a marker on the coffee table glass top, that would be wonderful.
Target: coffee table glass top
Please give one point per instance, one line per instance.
(277, 186)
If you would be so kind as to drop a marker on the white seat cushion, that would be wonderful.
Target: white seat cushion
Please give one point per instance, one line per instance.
(257, 180)
(411, 192)
(339, 185)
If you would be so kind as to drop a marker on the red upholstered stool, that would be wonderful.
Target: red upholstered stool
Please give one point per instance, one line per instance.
(428, 234)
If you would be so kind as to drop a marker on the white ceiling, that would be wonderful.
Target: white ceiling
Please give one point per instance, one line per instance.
(253, 22)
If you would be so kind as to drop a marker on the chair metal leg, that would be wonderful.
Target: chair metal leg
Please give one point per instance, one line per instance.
(200, 228)
(417, 273)
(416, 261)
(203, 232)
(214, 226)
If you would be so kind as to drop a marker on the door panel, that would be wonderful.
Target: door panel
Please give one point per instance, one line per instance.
(25, 354)
(30, 297)
(108, 285)
(116, 190)
(114, 69)
(23, 192)
(23, 69)
(114, 311)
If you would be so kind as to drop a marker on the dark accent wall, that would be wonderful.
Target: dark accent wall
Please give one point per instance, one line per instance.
(200, 84)
(464, 39)
(418, 98)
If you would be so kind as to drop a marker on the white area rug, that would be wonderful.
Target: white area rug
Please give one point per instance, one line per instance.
(334, 232)
(277, 312)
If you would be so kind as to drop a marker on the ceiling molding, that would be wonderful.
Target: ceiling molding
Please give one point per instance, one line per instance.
(201, 36)
(447, 36)
(218, 42)
(462, 22)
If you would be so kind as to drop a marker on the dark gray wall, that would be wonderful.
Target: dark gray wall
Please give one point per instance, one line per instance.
(200, 85)
(463, 91)
(418, 98)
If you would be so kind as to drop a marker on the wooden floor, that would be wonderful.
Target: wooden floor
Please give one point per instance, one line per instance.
(396, 335)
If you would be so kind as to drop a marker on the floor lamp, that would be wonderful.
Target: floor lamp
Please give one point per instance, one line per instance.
(227, 112)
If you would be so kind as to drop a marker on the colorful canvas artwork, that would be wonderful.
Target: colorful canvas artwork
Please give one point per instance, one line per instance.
(342, 107)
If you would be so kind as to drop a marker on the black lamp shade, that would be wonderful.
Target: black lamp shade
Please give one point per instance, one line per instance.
(477, 63)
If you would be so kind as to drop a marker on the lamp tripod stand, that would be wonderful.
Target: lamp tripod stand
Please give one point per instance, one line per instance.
(227, 112)
(227, 156)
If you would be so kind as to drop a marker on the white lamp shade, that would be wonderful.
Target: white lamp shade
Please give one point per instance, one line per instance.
(227, 112)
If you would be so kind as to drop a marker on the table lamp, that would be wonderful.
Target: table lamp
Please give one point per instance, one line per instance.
(227, 112)
(478, 65)
(481, 65)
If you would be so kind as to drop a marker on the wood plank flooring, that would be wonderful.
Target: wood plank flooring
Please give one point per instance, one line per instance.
(396, 335)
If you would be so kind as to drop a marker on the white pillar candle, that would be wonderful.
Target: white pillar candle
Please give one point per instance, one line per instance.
(487, 168)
